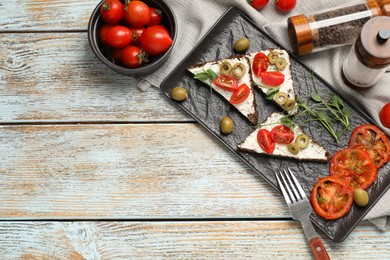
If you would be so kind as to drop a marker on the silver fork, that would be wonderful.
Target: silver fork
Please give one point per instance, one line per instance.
(300, 209)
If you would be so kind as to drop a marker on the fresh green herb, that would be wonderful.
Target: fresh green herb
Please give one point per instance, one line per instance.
(202, 76)
(332, 114)
(212, 74)
(271, 93)
(207, 76)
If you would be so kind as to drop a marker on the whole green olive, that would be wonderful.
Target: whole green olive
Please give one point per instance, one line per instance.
(226, 125)
(241, 44)
(360, 197)
(179, 93)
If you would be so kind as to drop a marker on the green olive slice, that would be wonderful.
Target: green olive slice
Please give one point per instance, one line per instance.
(179, 94)
(239, 70)
(226, 125)
(293, 148)
(302, 141)
(289, 105)
(281, 98)
(272, 57)
(281, 63)
(225, 68)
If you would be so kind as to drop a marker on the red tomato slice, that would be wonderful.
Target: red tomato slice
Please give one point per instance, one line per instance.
(272, 78)
(371, 139)
(240, 94)
(265, 141)
(355, 167)
(282, 134)
(260, 63)
(225, 82)
(331, 197)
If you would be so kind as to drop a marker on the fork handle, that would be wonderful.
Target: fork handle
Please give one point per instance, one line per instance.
(318, 249)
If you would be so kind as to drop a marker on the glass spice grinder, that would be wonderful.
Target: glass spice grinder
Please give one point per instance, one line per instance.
(333, 27)
(369, 57)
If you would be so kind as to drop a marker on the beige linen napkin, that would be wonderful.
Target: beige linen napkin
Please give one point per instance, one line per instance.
(195, 18)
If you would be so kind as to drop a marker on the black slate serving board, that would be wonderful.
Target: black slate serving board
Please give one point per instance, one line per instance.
(218, 43)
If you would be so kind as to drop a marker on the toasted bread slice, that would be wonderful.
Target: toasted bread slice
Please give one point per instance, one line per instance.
(287, 86)
(313, 152)
(247, 107)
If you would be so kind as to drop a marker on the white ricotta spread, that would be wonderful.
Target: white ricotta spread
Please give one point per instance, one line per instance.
(312, 152)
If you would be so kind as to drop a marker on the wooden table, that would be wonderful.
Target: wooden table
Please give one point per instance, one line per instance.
(92, 168)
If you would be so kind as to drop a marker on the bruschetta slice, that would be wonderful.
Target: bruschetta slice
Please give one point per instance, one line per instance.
(271, 73)
(276, 139)
(231, 79)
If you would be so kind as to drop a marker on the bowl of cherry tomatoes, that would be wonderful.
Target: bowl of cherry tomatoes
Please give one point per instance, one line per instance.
(132, 37)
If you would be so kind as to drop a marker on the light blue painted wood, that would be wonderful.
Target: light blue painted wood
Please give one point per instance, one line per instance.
(43, 15)
(55, 77)
(172, 240)
(127, 171)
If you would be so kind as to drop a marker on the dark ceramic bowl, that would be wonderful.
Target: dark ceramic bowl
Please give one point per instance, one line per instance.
(104, 53)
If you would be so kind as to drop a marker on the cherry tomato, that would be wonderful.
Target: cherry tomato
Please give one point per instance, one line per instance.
(282, 134)
(155, 17)
(118, 36)
(265, 141)
(331, 197)
(103, 33)
(355, 167)
(260, 63)
(111, 11)
(137, 13)
(155, 40)
(133, 57)
(228, 83)
(384, 115)
(117, 54)
(240, 94)
(272, 78)
(136, 33)
(371, 139)
(285, 5)
(257, 4)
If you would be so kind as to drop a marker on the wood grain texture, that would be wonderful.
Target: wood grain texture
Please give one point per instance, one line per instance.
(178, 240)
(127, 171)
(53, 15)
(55, 77)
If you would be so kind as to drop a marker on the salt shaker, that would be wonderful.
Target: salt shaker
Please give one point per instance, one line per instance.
(369, 57)
(333, 27)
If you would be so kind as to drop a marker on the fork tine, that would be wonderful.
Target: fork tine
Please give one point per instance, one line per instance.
(292, 187)
(285, 195)
(301, 191)
(286, 186)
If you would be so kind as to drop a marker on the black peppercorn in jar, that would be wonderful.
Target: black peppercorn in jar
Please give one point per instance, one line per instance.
(331, 28)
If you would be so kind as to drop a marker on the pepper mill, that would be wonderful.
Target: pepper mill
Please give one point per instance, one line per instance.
(369, 57)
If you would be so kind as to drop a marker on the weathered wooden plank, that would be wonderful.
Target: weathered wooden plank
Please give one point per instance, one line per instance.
(45, 15)
(56, 77)
(126, 171)
(178, 240)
